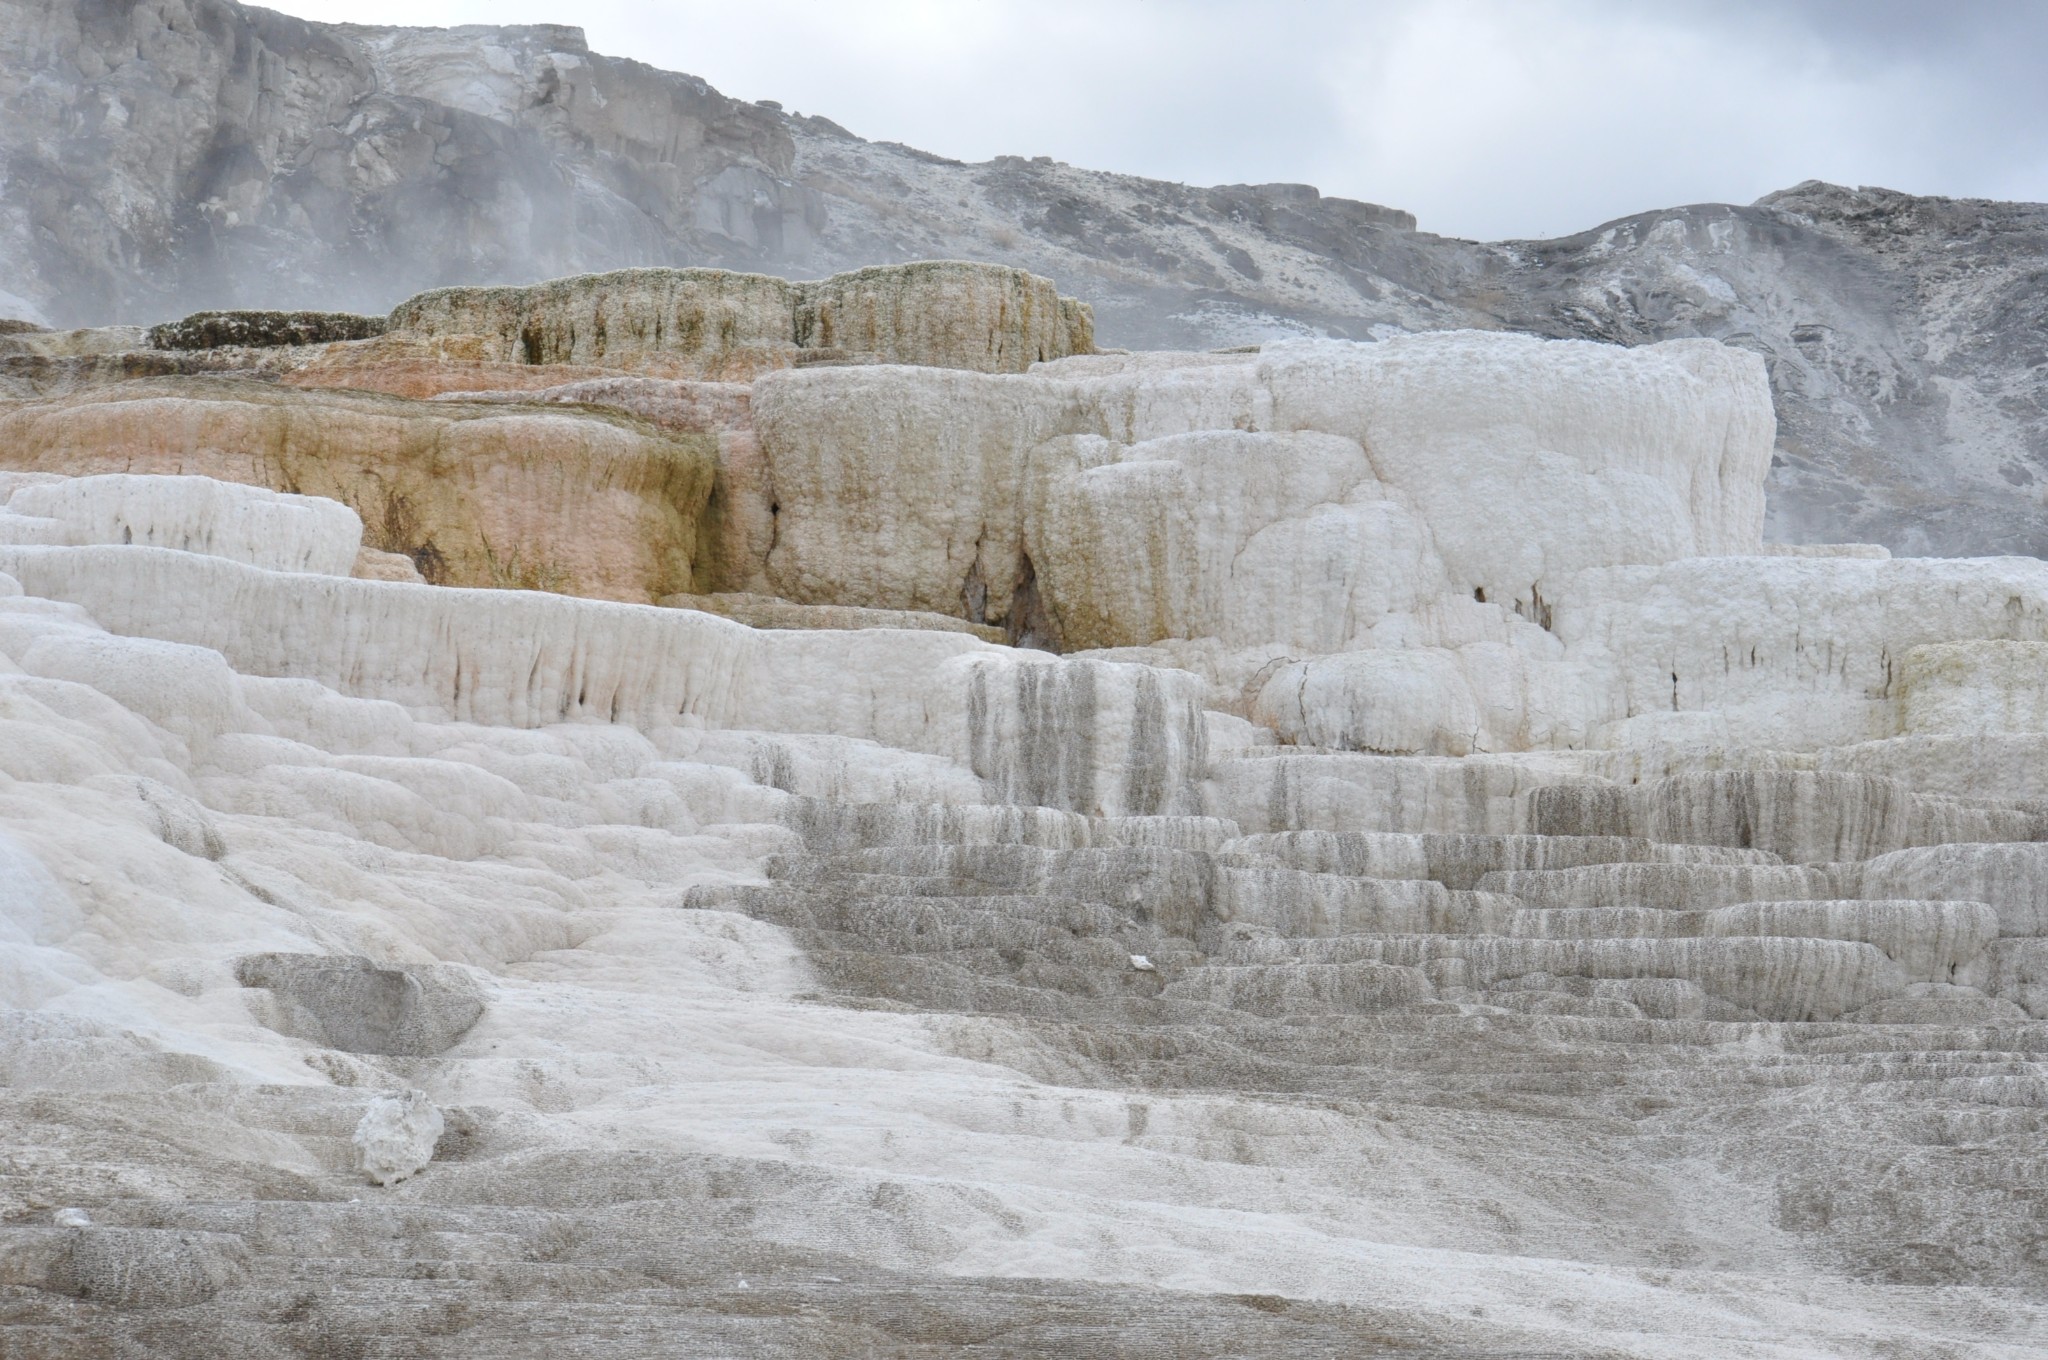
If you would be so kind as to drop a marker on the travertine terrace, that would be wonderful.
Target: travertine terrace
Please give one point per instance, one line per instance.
(967, 844)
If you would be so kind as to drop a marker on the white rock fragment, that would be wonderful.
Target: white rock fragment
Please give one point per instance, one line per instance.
(396, 1136)
(1143, 964)
(71, 1218)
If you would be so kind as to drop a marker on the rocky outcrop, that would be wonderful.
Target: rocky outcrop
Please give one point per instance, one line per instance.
(349, 1003)
(128, 1269)
(40, 342)
(422, 370)
(590, 503)
(709, 323)
(262, 330)
(1363, 457)
(1141, 503)
(947, 314)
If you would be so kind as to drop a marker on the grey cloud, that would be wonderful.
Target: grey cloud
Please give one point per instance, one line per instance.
(1906, 27)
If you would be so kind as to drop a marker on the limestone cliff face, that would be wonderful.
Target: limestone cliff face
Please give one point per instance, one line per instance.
(946, 314)
(706, 322)
(579, 502)
(710, 323)
(1444, 544)
(580, 472)
(1121, 506)
(198, 153)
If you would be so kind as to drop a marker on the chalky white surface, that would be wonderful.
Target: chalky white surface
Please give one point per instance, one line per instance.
(203, 758)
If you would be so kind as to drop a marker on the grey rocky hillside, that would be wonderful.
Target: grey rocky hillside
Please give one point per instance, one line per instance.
(158, 159)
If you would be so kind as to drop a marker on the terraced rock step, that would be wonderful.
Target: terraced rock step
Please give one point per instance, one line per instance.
(1372, 923)
(1343, 848)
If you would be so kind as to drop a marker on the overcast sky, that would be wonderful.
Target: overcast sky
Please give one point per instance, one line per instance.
(1486, 118)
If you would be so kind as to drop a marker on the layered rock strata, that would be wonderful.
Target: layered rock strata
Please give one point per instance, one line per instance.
(216, 330)
(581, 498)
(588, 503)
(713, 324)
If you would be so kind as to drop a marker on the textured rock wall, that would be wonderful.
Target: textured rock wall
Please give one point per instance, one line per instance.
(1989, 688)
(1165, 510)
(988, 318)
(710, 323)
(1095, 737)
(846, 448)
(1792, 651)
(701, 317)
(1645, 455)
(592, 504)
(1209, 535)
(212, 330)
(1313, 460)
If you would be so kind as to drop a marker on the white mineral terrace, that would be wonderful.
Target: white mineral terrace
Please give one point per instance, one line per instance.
(1452, 892)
